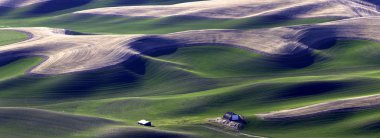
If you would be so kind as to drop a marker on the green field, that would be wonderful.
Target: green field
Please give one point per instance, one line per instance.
(18, 68)
(9, 37)
(180, 90)
(120, 25)
(27, 17)
(260, 84)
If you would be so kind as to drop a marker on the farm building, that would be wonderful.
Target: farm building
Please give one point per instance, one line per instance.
(231, 116)
(230, 120)
(144, 123)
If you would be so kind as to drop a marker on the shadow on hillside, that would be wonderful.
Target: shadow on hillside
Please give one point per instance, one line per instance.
(155, 46)
(87, 83)
(145, 2)
(280, 17)
(124, 75)
(8, 59)
(319, 38)
(115, 79)
(54, 6)
(370, 126)
(313, 89)
(375, 2)
(299, 10)
(159, 46)
(80, 84)
(297, 61)
(69, 32)
(4, 10)
(10, 56)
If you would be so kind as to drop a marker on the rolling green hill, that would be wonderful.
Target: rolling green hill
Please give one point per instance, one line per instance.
(60, 16)
(184, 87)
(249, 83)
(123, 25)
(28, 17)
(18, 67)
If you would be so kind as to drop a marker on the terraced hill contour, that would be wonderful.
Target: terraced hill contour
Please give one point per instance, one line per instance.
(307, 68)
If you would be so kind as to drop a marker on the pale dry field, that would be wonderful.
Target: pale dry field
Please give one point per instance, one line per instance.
(72, 53)
(247, 8)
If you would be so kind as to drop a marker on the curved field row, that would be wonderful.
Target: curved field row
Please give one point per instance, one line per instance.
(205, 89)
(204, 73)
(334, 106)
(67, 53)
(136, 25)
(87, 52)
(260, 92)
(239, 9)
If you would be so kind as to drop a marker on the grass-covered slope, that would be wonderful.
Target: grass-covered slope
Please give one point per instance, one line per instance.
(124, 25)
(9, 37)
(202, 84)
(39, 123)
(46, 124)
(18, 67)
(180, 89)
(58, 14)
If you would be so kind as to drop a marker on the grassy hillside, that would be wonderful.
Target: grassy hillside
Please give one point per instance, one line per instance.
(17, 67)
(40, 123)
(204, 85)
(9, 37)
(182, 88)
(124, 25)
(58, 14)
